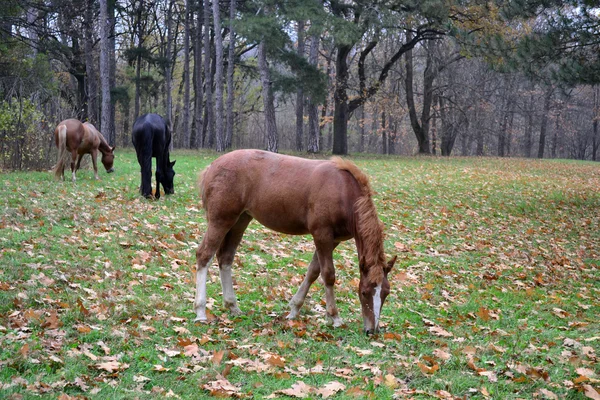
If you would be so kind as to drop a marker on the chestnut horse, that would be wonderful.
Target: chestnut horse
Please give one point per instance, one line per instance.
(330, 199)
(71, 136)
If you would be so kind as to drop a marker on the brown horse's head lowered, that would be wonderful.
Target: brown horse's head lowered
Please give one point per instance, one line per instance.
(331, 200)
(74, 140)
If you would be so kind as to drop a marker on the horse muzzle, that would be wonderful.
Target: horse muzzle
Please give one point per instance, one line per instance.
(110, 170)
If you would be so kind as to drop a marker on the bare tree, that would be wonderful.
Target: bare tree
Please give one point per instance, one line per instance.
(208, 120)
(268, 100)
(199, 88)
(218, 77)
(230, 71)
(105, 67)
(300, 92)
(313, 107)
(186, 77)
(90, 70)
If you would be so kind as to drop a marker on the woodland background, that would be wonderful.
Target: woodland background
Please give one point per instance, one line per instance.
(503, 78)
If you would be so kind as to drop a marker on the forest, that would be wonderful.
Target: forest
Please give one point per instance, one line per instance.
(469, 78)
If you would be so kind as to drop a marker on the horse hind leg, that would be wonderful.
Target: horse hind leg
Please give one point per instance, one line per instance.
(211, 242)
(314, 269)
(225, 257)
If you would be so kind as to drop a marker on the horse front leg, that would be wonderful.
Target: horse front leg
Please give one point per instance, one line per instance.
(94, 155)
(325, 253)
(314, 269)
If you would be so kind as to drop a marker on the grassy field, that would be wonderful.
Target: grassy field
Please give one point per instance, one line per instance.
(496, 292)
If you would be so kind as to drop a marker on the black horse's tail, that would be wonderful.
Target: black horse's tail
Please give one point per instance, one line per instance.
(62, 151)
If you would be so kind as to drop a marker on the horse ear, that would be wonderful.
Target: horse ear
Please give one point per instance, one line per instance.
(112, 150)
(390, 265)
(172, 163)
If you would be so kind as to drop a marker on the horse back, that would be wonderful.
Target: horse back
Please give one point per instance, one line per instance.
(150, 133)
(75, 133)
(287, 194)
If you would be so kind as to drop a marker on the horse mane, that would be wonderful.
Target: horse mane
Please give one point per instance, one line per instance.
(104, 146)
(369, 230)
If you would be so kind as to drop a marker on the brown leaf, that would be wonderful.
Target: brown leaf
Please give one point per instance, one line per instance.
(217, 357)
(441, 354)
(298, 389)
(548, 394)
(112, 366)
(276, 360)
(439, 331)
(590, 392)
(331, 389)
(222, 388)
(51, 321)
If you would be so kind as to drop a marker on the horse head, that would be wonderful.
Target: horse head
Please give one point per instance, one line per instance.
(108, 158)
(167, 178)
(372, 291)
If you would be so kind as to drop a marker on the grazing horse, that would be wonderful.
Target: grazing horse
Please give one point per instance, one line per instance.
(331, 200)
(151, 138)
(79, 139)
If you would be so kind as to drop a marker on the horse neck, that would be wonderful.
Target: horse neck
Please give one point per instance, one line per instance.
(368, 235)
(104, 146)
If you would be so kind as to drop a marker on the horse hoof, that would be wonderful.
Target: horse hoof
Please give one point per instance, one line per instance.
(235, 312)
(201, 320)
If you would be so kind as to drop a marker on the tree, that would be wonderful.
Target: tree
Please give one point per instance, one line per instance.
(218, 77)
(272, 138)
(105, 68)
(186, 76)
(313, 145)
(230, 71)
(300, 92)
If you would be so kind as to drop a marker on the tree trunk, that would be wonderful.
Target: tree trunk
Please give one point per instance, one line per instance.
(230, 72)
(199, 89)
(138, 66)
(595, 139)
(555, 137)
(300, 93)
(421, 129)
(268, 100)
(528, 140)
(313, 107)
(167, 68)
(111, 135)
(384, 136)
(186, 76)
(208, 120)
(361, 130)
(340, 97)
(218, 77)
(105, 67)
(92, 86)
(543, 127)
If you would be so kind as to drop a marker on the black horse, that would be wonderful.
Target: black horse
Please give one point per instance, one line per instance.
(151, 138)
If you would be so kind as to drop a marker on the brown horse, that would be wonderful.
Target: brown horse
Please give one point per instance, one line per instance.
(331, 200)
(71, 136)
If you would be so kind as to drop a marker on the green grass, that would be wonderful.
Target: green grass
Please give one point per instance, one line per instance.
(495, 293)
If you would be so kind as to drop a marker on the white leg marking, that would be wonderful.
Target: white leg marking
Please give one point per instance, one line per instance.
(229, 300)
(330, 302)
(200, 303)
(298, 299)
(377, 305)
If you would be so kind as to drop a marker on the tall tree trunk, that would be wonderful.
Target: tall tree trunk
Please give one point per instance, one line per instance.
(313, 107)
(138, 64)
(421, 129)
(167, 67)
(90, 70)
(268, 100)
(340, 97)
(186, 76)
(596, 115)
(300, 93)
(105, 67)
(218, 77)
(209, 116)
(230, 72)
(528, 140)
(361, 129)
(544, 124)
(199, 89)
(111, 136)
(555, 137)
(384, 135)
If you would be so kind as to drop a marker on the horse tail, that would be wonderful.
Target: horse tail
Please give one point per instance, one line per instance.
(62, 150)
(200, 183)
(361, 177)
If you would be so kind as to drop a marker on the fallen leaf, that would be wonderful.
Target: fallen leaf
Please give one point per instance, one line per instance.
(330, 389)
(298, 389)
(590, 392)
